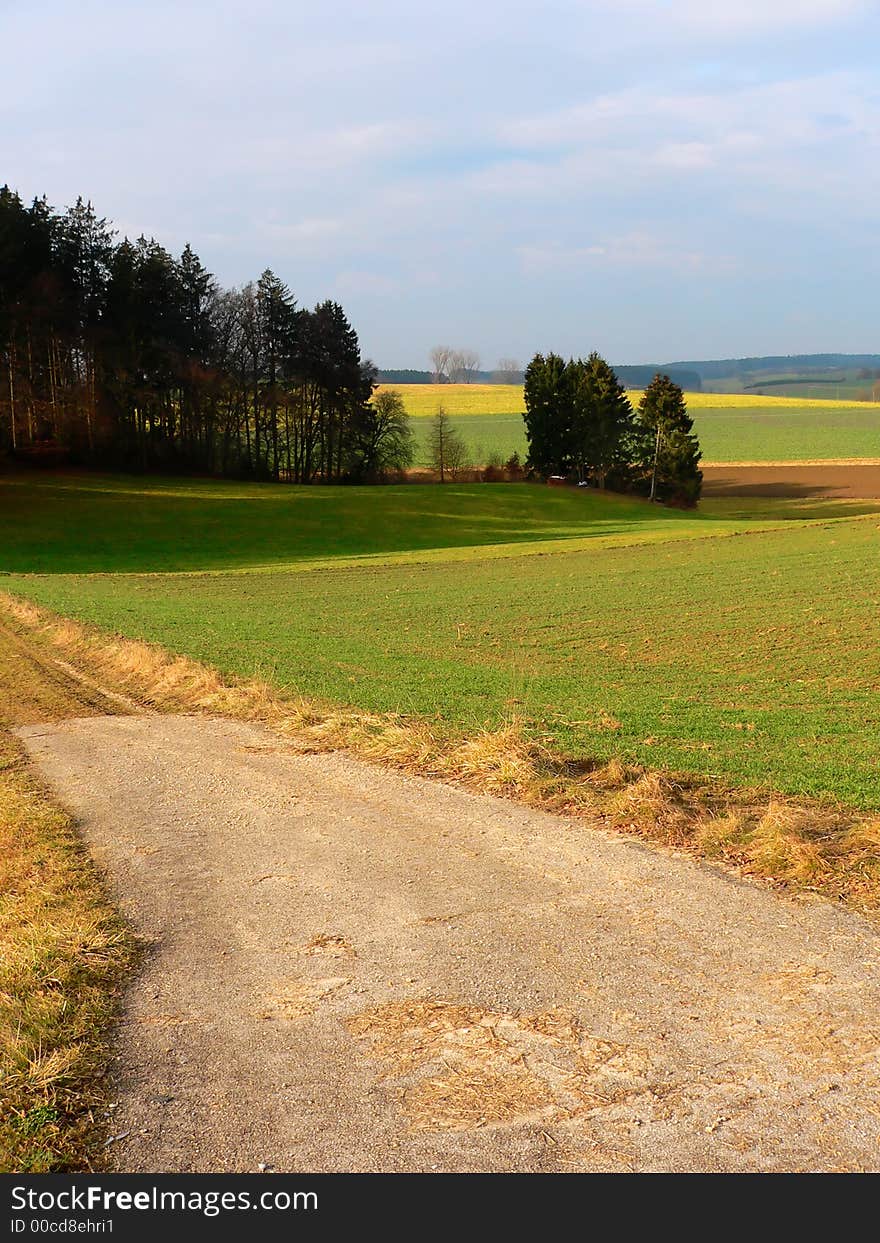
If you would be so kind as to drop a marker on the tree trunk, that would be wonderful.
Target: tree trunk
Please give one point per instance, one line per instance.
(11, 357)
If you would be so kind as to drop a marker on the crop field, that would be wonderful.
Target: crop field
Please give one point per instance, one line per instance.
(421, 400)
(734, 427)
(844, 385)
(726, 435)
(739, 641)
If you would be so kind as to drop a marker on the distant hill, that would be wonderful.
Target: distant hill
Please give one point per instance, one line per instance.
(641, 375)
(721, 368)
(852, 376)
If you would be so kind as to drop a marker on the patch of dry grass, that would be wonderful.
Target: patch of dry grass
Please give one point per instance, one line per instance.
(458, 1100)
(822, 847)
(296, 1000)
(463, 1067)
(330, 944)
(63, 954)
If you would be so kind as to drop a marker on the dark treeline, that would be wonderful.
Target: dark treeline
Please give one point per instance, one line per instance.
(116, 353)
(632, 376)
(407, 375)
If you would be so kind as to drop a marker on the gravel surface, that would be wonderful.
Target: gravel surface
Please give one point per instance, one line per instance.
(352, 969)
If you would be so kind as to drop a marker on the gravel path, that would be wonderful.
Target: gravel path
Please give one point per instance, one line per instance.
(353, 969)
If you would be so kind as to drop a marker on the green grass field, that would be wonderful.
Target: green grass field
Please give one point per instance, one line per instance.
(738, 641)
(94, 524)
(835, 384)
(731, 427)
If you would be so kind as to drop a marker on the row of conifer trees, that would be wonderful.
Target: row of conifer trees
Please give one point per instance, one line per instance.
(581, 425)
(117, 353)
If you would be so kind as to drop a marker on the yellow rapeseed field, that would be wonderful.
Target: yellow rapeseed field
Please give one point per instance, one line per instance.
(422, 400)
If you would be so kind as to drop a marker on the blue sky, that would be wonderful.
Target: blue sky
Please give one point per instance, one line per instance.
(655, 180)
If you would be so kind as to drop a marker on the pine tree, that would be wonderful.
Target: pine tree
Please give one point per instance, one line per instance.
(276, 310)
(669, 452)
(602, 418)
(548, 415)
(85, 246)
(198, 292)
(445, 447)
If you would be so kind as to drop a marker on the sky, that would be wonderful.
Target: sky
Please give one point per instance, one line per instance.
(660, 181)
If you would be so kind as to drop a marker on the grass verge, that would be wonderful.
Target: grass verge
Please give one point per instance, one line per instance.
(814, 846)
(64, 953)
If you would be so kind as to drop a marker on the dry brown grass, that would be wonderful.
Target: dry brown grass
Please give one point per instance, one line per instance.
(296, 1000)
(63, 955)
(811, 846)
(461, 1100)
(332, 945)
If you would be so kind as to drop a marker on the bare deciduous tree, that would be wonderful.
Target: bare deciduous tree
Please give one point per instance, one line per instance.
(508, 371)
(440, 356)
(458, 460)
(463, 364)
(470, 364)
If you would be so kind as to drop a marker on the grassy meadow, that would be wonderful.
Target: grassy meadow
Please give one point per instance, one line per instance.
(94, 524)
(738, 641)
(732, 427)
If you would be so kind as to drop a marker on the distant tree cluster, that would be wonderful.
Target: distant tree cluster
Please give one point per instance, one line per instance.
(508, 371)
(581, 425)
(449, 366)
(122, 355)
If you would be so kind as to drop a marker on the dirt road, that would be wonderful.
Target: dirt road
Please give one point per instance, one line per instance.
(353, 969)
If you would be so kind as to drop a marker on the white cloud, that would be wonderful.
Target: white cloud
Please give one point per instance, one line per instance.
(636, 249)
(684, 155)
(738, 16)
(369, 284)
(791, 133)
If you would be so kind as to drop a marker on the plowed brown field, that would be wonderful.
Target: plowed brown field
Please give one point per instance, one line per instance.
(794, 479)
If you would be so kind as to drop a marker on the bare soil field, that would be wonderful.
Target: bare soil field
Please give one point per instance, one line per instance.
(853, 480)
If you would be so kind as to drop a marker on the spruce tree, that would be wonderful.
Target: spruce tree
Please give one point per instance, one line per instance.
(602, 418)
(668, 452)
(446, 448)
(548, 416)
